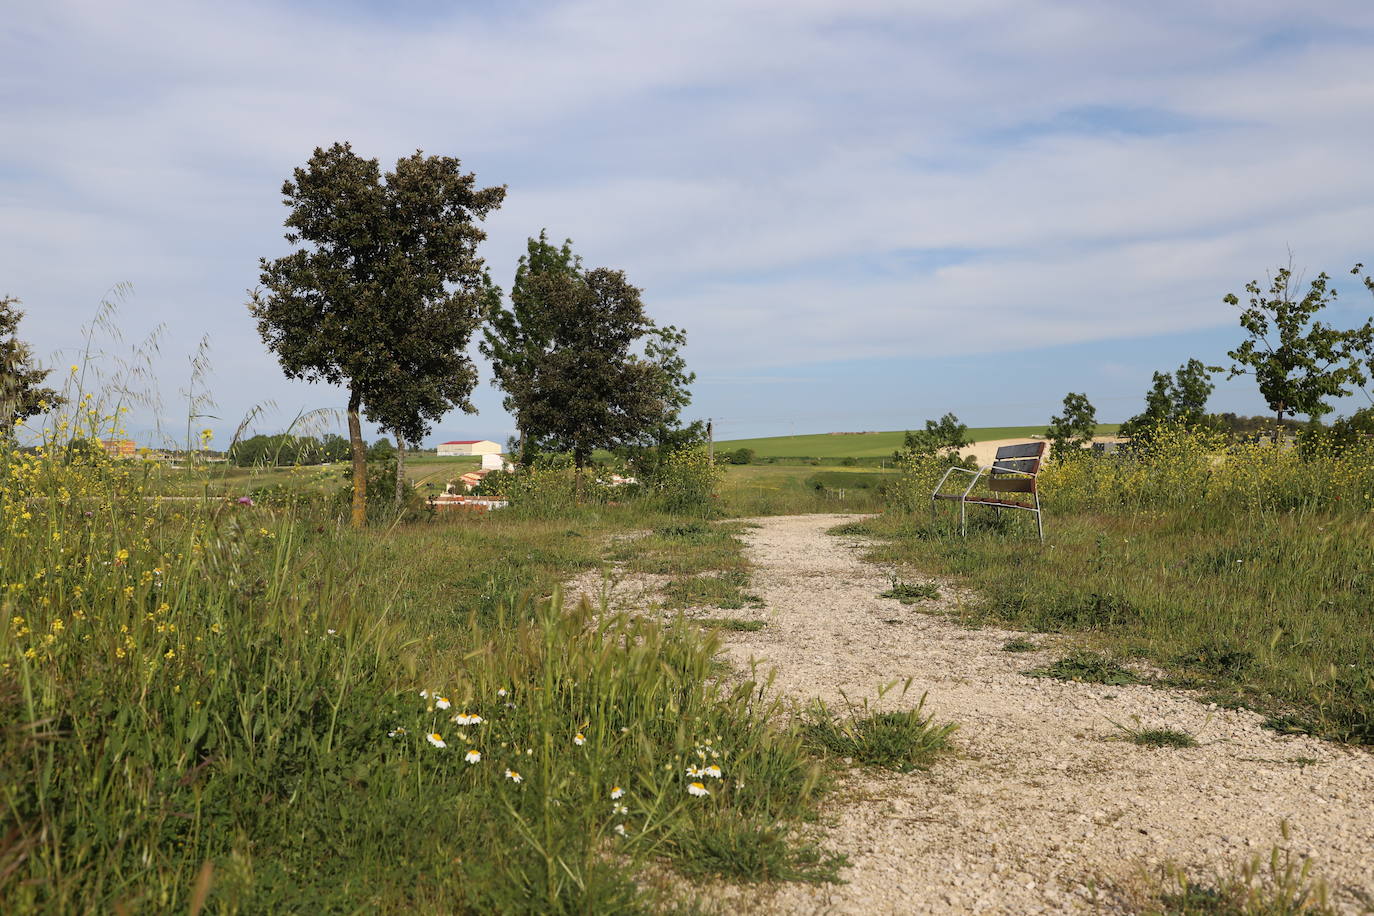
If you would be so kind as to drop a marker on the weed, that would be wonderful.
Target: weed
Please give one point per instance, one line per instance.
(1155, 737)
(724, 590)
(1087, 667)
(851, 529)
(911, 592)
(742, 851)
(731, 623)
(1019, 644)
(1282, 885)
(903, 740)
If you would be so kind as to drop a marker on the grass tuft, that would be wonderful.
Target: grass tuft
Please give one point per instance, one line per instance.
(747, 852)
(1019, 644)
(1087, 667)
(903, 740)
(911, 592)
(735, 624)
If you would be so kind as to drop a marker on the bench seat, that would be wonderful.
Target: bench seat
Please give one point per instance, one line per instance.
(1015, 469)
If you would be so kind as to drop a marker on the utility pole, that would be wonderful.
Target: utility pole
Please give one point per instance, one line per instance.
(710, 442)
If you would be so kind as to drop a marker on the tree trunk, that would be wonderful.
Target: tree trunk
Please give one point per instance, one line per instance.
(355, 439)
(400, 471)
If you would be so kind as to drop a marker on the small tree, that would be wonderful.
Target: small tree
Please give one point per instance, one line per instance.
(1073, 429)
(582, 364)
(385, 294)
(1177, 399)
(21, 392)
(943, 438)
(1298, 361)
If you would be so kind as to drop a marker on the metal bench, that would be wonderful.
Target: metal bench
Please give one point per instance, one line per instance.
(1013, 470)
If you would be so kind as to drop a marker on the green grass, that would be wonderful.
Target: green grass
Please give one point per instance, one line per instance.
(870, 444)
(1162, 737)
(734, 624)
(1261, 609)
(911, 592)
(198, 688)
(1019, 644)
(1087, 668)
(726, 590)
(901, 740)
(1280, 884)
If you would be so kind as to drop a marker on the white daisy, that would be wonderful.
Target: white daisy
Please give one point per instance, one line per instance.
(514, 776)
(620, 829)
(698, 790)
(579, 739)
(617, 792)
(396, 732)
(441, 702)
(473, 756)
(435, 739)
(712, 771)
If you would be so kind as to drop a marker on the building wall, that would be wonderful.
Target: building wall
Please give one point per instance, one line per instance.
(485, 447)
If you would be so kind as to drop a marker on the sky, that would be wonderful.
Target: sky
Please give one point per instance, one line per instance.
(864, 213)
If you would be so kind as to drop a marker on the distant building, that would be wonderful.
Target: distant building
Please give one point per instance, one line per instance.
(469, 447)
(119, 448)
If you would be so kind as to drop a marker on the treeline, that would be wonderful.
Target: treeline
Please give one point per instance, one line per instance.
(282, 450)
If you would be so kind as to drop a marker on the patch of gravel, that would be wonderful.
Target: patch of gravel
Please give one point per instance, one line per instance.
(1043, 809)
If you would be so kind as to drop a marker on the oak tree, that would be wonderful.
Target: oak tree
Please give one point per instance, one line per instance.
(383, 292)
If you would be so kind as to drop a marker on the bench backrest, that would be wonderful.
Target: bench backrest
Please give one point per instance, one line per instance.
(1011, 465)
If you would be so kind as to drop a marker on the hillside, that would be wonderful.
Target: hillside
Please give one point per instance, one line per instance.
(870, 445)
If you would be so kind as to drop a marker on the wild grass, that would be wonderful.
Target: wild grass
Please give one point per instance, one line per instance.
(911, 592)
(1019, 644)
(732, 624)
(1281, 884)
(1244, 573)
(724, 590)
(1155, 737)
(1087, 668)
(212, 699)
(901, 740)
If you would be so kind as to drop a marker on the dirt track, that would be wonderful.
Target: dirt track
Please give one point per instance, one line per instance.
(1043, 809)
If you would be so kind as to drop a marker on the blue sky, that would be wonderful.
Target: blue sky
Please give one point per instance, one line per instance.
(864, 213)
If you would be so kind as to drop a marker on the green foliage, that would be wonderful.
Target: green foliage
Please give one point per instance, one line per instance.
(940, 439)
(21, 379)
(742, 456)
(1073, 429)
(911, 592)
(723, 590)
(385, 291)
(1280, 884)
(902, 740)
(684, 483)
(1086, 667)
(1298, 361)
(1177, 400)
(226, 685)
(1161, 737)
(1019, 644)
(581, 364)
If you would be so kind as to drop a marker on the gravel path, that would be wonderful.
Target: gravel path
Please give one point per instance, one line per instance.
(1041, 810)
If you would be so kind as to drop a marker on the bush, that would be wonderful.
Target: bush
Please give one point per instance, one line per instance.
(685, 484)
(742, 456)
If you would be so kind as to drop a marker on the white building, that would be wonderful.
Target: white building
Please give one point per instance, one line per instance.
(469, 447)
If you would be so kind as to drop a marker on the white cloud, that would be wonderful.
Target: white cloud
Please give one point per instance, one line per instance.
(745, 163)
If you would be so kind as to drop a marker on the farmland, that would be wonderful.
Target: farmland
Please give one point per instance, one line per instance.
(869, 444)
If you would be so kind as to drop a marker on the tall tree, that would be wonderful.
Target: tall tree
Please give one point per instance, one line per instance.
(1180, 398)
(22, 394)
(944, 439)
(581, 363)
(1073, 429)
(1298, 361)
(385, 291)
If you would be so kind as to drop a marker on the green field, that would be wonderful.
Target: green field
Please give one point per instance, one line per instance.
(870, 445)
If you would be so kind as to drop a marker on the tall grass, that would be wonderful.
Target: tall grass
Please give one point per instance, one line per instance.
(212, 694)
(1243, 570)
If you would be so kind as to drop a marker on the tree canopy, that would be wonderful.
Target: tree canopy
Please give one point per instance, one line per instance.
(581, 363)
(1298, 361)
(1074, 428)
(22, 394)
(1180, 399)
(384, 291)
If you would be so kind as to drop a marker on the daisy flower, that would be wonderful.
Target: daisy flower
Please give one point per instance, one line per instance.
(620, 829)
(620, 809)
(396, 732)
(464, 718)
(617, 792)
(579, 739)
(473, 756)
(502, 692)
(441, 703)
(514, 776)
(698, 790)
(712, 771)
(435, 739)
(694, 772)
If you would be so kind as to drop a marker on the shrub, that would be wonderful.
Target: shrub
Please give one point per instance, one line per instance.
(742, 456)
(685, 484)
